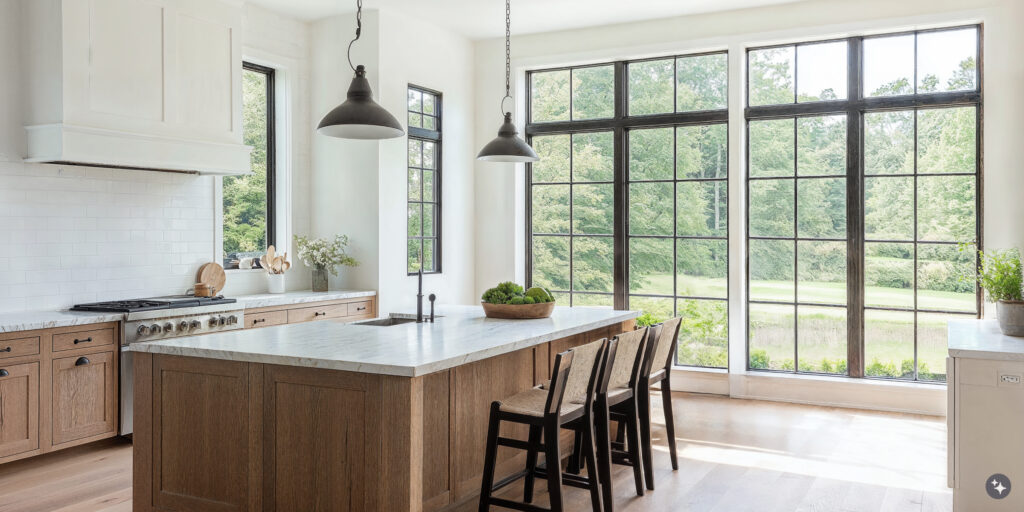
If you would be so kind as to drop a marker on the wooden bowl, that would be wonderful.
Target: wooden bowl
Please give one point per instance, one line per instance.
(518, 311)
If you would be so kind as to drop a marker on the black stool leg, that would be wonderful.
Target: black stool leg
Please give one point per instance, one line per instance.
(644, 410)
(553, 461)
(670, 422)
(531, 463)
(487, 482)
(633, 449)
(588, 456)
(575, 463)
(604, 451)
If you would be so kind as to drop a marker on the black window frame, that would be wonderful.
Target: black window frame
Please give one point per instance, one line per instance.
(269, 72)
(435, 136)
(854, 108)
(621, 124)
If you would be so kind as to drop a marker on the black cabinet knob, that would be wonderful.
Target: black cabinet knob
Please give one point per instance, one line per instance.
(4, 373)
(8, 349)
(82, 361)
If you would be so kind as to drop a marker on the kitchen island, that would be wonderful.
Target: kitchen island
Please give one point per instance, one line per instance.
(333, 416)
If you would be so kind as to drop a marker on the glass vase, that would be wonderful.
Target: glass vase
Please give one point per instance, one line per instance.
(319, 279)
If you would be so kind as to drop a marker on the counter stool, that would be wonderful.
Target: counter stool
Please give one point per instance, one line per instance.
(615, 398)
(657, 367)
(567, 397)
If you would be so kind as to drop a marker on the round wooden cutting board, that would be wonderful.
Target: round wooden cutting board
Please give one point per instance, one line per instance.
(213, 275)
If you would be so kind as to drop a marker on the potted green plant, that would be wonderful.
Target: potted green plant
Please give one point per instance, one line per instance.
(324, 256)
(509, 300)
(1000, 276)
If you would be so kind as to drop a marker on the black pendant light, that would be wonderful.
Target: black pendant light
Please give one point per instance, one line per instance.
(359, 117)
(507, 146)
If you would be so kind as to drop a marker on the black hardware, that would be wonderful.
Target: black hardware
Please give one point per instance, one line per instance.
(87, 340)
(4, 373)
(8, 349)
(259, 320)
(82, 361)
(320, 313)
(419, 297)
(432, 298)
(362, 308)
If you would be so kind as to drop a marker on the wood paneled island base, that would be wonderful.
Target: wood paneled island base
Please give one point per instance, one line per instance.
(223, 435)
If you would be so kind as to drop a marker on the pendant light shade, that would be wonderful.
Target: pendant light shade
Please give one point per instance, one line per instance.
(507, 146)
(359, 117)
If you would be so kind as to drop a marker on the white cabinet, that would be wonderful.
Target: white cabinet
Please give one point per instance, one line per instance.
(136, 83)
(985, 418)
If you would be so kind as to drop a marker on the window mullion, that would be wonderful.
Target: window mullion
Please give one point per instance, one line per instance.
(620, 288)
(855, 214)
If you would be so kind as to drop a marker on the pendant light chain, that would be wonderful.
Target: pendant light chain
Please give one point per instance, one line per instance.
(508, 48)
(359, 31)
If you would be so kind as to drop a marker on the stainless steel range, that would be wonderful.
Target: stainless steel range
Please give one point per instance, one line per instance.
(161, 318)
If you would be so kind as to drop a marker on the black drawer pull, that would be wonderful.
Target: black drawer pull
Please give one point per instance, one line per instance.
(82, 361)
(361, 309)
(319, 313)
(4, 373)
(259, 320)
(8, 349)
(87, 340)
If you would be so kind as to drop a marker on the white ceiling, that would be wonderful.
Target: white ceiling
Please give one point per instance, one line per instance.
(479, 19)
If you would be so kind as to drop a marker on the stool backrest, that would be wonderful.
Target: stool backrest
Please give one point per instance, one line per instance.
(582, 379)
(556, 389)
(661, 343)
(624, 364)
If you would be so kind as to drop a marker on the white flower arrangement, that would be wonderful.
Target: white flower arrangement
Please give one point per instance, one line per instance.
(322, 253)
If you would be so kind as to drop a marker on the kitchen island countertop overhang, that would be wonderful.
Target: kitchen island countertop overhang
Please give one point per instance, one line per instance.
(460, 335)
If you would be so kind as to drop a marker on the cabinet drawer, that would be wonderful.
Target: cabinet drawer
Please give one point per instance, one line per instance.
(84, 396)
(266, 319)
(19, 408)
(18, 347)
(83, 339)
(360, 308)
(317, 313)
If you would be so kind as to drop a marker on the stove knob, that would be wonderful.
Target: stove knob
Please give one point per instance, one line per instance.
(155, 329)
(221, 320)
(232, 320)
(143, 330)
(195, 324)
(168, 327)
(213, 321)
(182, 326)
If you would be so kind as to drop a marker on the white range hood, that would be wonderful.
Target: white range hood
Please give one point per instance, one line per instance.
(152, 85)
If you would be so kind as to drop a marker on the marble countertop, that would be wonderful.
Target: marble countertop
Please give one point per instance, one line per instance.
(264, 300)
(29, 320)
(982, 339)
(460, 335)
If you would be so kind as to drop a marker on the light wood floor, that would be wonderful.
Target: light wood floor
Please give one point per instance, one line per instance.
(735, 456)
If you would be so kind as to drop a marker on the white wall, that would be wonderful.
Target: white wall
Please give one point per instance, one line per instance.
(499, 210)
(360, 186)
(77, 234)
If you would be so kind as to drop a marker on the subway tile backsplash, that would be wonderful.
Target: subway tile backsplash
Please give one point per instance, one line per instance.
(81, 234)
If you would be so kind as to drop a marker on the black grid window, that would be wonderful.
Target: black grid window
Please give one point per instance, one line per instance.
(424, 182)
(862, 178)
(628, 203)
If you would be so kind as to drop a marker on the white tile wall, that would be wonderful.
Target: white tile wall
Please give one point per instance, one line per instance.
(73, 234)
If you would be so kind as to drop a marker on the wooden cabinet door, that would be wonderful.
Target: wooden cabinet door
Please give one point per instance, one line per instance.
(19, 408)
(84, 396)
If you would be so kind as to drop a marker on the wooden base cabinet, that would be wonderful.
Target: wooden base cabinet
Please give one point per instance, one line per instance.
(19, 408)
(58, 388)
(213, 435)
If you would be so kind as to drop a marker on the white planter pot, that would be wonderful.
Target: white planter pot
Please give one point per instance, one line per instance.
(275, 283)
(1011, 317)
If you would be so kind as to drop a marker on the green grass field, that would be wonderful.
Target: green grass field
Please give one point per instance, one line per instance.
(889, 335)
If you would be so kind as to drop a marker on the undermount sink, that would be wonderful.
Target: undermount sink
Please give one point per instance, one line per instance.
(389, 321)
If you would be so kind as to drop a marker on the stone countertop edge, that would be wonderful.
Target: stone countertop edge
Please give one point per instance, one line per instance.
(469, 355)
(31, 320)
(982, 339)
